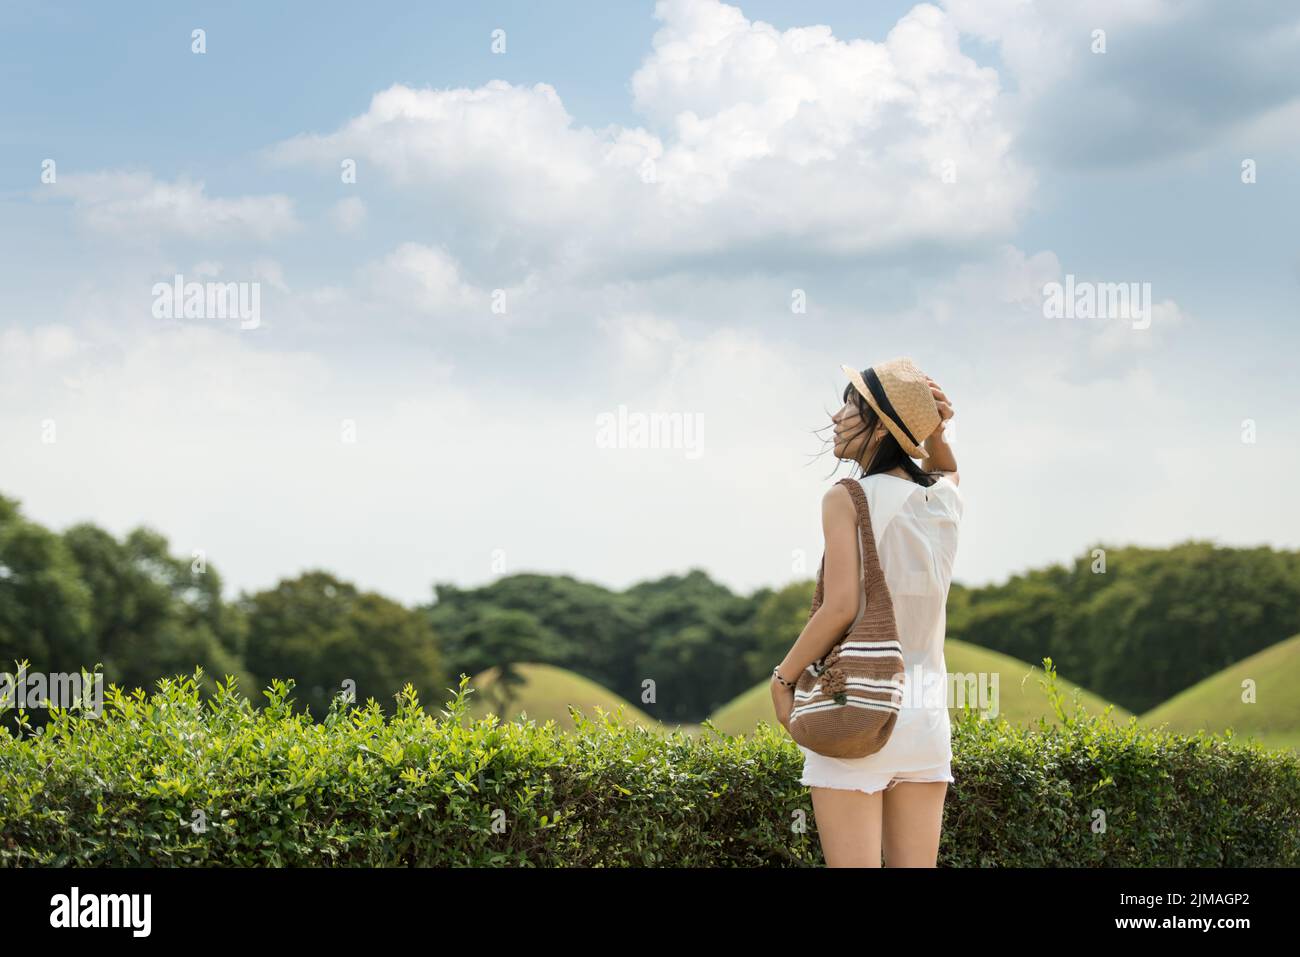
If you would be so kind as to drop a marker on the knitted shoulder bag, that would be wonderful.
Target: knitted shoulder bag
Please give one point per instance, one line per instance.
(846, 702)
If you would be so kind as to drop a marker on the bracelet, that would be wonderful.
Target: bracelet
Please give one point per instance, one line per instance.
(776, 673)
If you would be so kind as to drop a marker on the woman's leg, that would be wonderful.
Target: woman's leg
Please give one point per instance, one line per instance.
(848, 823)
(912, 818)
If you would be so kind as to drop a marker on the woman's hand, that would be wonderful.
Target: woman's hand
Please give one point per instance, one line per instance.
(941, 400)
(941, 458)
(782, 702)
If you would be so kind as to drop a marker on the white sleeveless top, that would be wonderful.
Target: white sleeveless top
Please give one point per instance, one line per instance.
(916, 541)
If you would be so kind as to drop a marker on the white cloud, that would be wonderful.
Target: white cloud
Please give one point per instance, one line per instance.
(791, 139)
(136, 206)
(1003, 284)
(424, 279)
(1043, 41)
(475, 142)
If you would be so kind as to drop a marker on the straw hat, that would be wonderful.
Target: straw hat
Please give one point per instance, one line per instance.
(899, 393)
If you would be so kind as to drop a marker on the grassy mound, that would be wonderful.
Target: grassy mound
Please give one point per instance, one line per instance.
(1216, 704)
(545, 694)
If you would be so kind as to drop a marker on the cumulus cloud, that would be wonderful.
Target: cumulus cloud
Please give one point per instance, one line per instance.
(790, 140)
(134, 205)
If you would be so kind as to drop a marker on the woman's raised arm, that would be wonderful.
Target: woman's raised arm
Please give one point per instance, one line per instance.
(939, 454)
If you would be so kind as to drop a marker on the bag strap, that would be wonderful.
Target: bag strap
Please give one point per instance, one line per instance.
(871, 570)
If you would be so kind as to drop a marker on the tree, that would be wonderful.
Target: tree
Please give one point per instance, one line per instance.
(700, 643)
(778, 623)
(583, 627)
(155, 615)
(331, 638)
(44, 604)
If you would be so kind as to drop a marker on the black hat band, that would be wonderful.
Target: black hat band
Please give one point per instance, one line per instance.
(887, 407)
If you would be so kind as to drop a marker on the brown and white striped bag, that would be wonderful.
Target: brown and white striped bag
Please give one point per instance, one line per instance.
(846, 702)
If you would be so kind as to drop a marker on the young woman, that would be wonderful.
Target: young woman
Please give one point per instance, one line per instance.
(890, 801)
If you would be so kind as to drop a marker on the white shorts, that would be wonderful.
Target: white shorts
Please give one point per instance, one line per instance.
(872, 781)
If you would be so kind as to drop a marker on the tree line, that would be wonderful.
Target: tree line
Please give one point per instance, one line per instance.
(1148, 624)
(1138, 625)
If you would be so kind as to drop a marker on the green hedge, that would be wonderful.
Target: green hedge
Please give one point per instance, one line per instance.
(174, 779)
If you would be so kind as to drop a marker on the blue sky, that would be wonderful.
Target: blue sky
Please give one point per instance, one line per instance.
(646, 186)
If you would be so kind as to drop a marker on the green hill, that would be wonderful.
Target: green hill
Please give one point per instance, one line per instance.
(1019, 697)
(1215, 704)
(546, 693)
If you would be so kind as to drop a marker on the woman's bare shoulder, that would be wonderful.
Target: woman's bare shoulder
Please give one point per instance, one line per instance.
(837, 504)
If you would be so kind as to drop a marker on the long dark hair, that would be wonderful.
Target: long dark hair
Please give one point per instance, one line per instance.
(889, 454)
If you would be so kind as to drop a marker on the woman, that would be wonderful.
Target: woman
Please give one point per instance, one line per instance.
(890, 801)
